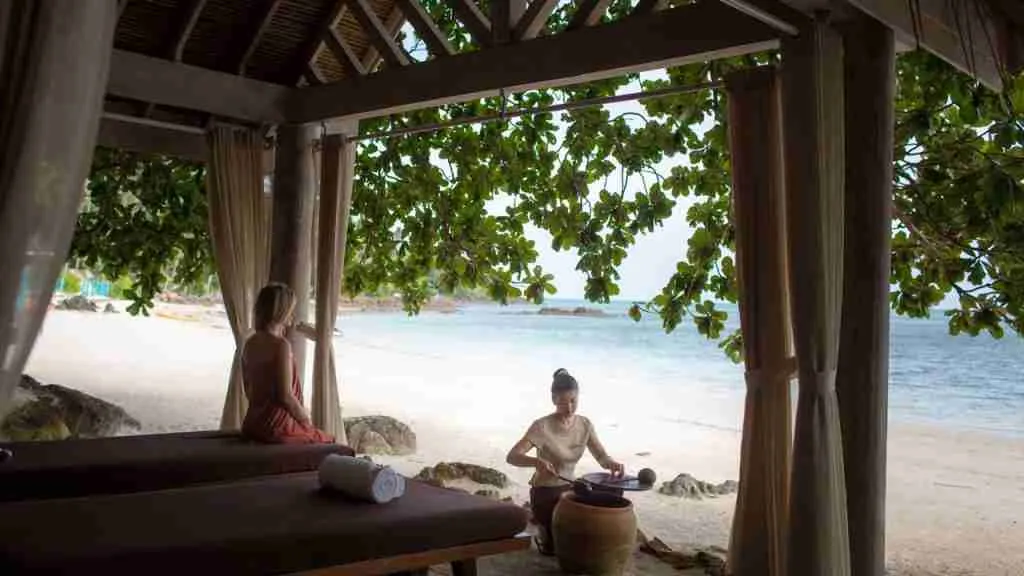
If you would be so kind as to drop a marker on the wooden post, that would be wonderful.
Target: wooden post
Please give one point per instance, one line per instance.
(863, 379)
(290, 246)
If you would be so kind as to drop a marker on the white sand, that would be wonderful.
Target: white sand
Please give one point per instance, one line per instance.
(955, 499)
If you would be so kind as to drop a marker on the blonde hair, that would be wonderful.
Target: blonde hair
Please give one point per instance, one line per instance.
(273, 304)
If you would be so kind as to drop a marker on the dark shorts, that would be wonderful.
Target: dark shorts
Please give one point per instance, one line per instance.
(543, 500)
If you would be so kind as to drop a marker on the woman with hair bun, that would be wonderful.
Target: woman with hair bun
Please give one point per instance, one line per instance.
(560, 439)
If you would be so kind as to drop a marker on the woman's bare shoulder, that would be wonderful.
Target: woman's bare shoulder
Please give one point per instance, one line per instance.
(266, 345)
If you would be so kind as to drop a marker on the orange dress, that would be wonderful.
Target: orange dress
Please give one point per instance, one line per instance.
(268, 420)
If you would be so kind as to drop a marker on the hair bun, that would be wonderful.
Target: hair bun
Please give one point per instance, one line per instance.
(560, 372)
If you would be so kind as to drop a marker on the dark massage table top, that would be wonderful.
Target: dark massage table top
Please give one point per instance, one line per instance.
(270, 525)
(70, 468)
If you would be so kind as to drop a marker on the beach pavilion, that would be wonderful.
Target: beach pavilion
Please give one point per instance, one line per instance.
(253, 86)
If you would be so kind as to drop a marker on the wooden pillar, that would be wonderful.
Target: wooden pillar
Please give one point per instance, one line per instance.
(290, 246)
(863, 379)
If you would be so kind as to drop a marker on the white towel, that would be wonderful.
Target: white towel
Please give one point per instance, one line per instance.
(361, 479)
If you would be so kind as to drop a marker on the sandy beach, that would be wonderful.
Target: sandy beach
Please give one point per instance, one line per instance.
(955, 497)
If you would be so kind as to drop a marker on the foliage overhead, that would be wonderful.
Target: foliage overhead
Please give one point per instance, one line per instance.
(424, 218)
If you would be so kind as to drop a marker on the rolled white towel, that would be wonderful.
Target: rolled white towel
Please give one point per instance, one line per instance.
(361, 479)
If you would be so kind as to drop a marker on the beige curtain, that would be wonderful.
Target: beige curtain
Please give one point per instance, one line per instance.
(814, 148)
(757, 545)
(240, 230)
(338, 163)
(54, 60)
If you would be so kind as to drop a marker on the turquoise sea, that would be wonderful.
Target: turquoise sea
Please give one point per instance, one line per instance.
(974, 383)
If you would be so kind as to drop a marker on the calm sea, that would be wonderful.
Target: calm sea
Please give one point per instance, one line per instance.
(975, 383)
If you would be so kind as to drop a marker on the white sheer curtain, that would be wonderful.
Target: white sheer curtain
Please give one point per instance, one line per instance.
(240, 230)
(338, 156)
(54, 61)
(757, 544)
(814, 141)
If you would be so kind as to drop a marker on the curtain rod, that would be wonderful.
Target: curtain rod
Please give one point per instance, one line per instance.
(576, 105)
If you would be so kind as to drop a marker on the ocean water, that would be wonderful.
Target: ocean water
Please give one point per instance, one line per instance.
(500, 354)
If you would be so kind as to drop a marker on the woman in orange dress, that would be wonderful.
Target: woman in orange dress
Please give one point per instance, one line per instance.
(272, 385)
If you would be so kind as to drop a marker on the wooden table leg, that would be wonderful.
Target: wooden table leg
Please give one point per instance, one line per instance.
(464, 567)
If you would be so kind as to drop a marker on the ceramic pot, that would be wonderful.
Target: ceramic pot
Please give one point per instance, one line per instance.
(594, 535)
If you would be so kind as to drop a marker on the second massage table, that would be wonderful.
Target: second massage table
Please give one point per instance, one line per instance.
(69, 468)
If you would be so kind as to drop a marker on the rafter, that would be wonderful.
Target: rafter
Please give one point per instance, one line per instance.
(344, 54)
(426, 28)
(307, 53)
(379, 36)
(371, 57)
(478, 25)
(183, 30)
(648, 6)
(312, 74)
(673, 37)
(253, 33)
(588, 13)
(504, 15)
(534, 19)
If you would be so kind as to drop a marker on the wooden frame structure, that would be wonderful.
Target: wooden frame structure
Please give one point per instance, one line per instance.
(461, 558)
(179, 66)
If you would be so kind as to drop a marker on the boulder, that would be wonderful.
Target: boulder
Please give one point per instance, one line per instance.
(78, 303)
(380, 435)
(109, 309)
(34, 421)
(686, 486)
(52, 412)
(445, 472)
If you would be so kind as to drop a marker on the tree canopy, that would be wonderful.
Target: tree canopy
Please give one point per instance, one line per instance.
(424, 217)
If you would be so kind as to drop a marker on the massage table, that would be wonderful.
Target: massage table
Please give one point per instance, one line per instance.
(261, 526)
(69, 468)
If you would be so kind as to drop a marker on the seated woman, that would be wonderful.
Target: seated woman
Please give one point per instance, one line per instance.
(559, 438)
(272, 385)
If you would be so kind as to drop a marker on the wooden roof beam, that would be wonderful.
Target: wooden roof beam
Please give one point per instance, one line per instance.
(534, 19)
(681, 35)
(251, 38)
(168, 83)
(393, 24)
(953, 31)
(478, 25)
(588, 14)
(504, 16)
(379, 36)
(344, 54)
(317, 39)
(312, 74)
(183, 30)
(437, 43)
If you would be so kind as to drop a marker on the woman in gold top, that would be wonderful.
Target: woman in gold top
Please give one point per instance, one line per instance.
(560, 439)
